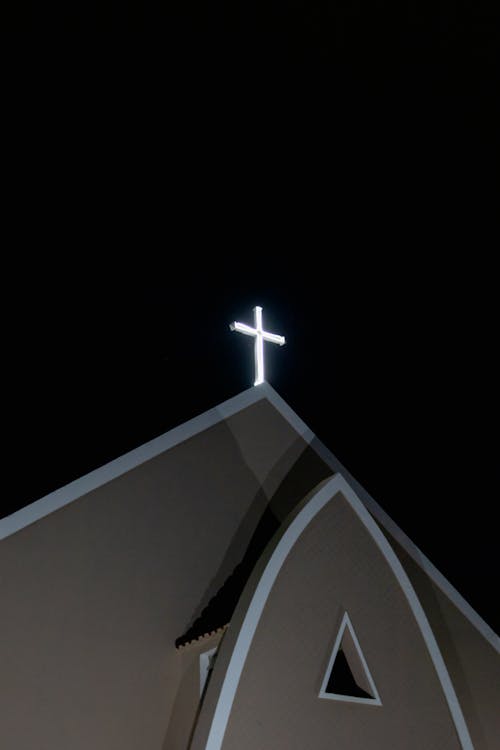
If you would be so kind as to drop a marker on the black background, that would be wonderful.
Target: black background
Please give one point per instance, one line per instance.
(335, 164)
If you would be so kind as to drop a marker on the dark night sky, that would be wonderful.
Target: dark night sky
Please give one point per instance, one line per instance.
(153, 198)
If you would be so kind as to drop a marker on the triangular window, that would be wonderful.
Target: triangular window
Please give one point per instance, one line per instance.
(348, 677)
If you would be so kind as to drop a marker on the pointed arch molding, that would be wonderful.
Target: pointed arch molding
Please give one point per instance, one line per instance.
(346, 628)
(251, 619)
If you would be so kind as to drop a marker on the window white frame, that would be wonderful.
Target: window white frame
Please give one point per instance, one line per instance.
(357, 664)
(206, 666)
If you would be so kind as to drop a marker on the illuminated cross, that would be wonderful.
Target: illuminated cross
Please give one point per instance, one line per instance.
(260, 336)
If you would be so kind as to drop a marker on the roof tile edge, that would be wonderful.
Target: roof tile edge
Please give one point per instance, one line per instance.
(203, 637)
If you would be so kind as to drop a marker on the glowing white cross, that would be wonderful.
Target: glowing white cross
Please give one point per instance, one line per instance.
(260, 337)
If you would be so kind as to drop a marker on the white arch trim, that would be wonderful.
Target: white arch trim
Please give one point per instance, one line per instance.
(263, 589)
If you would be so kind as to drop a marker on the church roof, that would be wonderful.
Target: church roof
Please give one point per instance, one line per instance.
(217, 610)
(129, 461)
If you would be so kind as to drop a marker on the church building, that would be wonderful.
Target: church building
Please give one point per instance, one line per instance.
(229, 586)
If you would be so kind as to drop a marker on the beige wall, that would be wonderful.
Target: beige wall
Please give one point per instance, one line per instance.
(334, 567)
(473, 663)
(94, 595)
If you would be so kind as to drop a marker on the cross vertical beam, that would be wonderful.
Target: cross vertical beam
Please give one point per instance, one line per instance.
(260, 336)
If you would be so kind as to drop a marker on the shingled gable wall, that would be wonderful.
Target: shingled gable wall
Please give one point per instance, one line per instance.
(99, 579)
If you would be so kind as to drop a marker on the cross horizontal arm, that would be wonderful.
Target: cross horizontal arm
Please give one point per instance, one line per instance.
(273, 338)
(243, 328)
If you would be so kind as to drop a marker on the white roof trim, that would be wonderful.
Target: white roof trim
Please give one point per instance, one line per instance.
(81, 486)
(266, 582)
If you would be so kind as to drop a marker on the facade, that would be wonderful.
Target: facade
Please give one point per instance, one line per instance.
(229, 586)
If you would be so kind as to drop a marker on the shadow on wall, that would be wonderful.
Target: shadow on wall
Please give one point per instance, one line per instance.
(305, 473)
